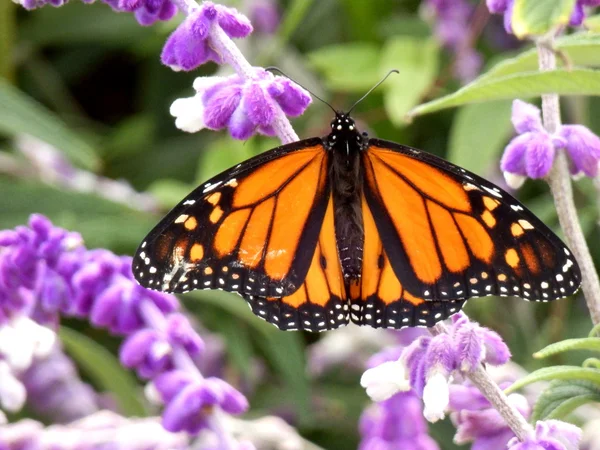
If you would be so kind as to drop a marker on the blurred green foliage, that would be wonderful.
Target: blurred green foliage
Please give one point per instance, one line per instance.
(89, 82)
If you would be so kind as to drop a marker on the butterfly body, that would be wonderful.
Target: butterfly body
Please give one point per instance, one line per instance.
(324, 231)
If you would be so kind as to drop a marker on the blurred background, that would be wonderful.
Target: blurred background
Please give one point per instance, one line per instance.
(86, 139)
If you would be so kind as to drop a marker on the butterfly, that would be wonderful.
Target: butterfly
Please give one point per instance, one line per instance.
(324, 231)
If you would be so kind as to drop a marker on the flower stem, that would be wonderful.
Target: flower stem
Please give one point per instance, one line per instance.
(232, 55)
(482, 381)
(562, 191)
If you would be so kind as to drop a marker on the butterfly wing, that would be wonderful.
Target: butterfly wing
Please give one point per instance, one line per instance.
(378, 298)
(451, 235)
(320, 302)
(252, 229)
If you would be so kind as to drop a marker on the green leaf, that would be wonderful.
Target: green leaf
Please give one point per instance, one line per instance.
(19, 114)
(562, 397)
(417, 62)
(590, 343)
(478, 134)
(103, 368)
(557, 373)
(579, 50)
(538, 17)
(521, 85)
(331, 61)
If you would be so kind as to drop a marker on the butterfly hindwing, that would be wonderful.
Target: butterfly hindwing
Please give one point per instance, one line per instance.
(251, 229)
(320, 302)
(378, 298)
(452, 235)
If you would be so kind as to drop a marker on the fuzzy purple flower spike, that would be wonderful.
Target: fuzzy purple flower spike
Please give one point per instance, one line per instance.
(46, 272)
(531, 154)
(429, 363)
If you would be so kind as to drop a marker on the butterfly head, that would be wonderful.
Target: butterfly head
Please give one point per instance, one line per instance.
(343, 130)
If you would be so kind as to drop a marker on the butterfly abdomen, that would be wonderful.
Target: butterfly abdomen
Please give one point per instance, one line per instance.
(346, 191)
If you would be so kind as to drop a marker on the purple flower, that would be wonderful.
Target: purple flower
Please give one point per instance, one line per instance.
(54, 389)
(396, 423)
(146, 12)
(243, 106)
(531, 153)
(265, 16)
(189, 400)
(550, 435)
(49, 273)
(506, 7)
(451, 27)
(428, 363)
(189, 45)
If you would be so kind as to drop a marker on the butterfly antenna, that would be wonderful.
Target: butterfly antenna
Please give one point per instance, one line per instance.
(276, 69)
(372, 89)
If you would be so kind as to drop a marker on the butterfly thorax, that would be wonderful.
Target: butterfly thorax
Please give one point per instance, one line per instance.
(345, 143)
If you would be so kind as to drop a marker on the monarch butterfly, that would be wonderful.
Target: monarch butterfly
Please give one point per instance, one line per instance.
(324, 231)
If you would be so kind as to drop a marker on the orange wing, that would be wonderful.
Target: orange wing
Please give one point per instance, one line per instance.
(378, 299)
(320, 302)
(451, 235)
(252, 229)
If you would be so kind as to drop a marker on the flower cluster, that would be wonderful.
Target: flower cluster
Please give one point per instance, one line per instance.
(429, 363)
(531, 154)
(451, 27)
(244, 106)
(505, 7)
(550, 435)
(46, 271)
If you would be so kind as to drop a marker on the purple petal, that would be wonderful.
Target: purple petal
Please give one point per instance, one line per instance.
(179, 331)
(236, 25)
(496, 351)
(539, 156)
(508, 16)
(292, 99)
(257, 104)
(497, 6)
(526, 117)
(414, 356)
(513, 159)
(583, 147)
(467, 397)
(136, 347)
(469, 346)
(170, 384)
(440, 357)
(220, 107)
(577, 16)
(232, 401)
(240, 125)
(184, 411)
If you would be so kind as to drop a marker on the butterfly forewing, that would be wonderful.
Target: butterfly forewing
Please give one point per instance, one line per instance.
(450, 234)
(251, 229)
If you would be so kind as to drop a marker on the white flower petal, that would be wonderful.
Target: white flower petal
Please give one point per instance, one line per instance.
(188, 113)
(12, 392)
(152, 394)
(436, 397)
(513, 180)
(201, 84)
(385, 380)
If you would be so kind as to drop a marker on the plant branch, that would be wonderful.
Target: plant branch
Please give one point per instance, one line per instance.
(562, 190)
(232, 55)
(482, 381)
